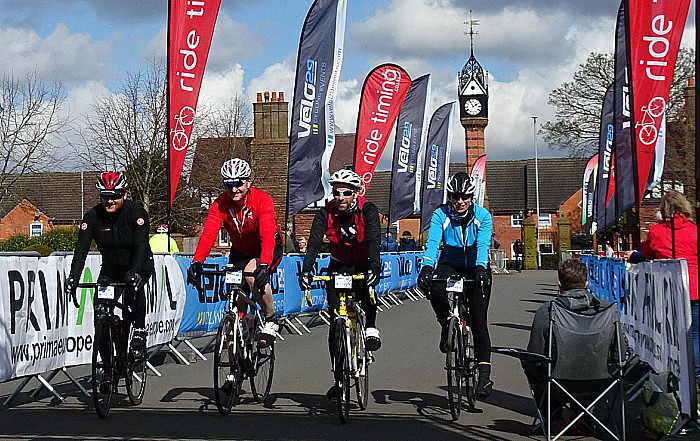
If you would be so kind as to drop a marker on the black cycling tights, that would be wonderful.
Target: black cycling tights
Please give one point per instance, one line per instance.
(478, 307)
(361, 294)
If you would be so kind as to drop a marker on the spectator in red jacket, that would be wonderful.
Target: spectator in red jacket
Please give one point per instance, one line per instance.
(675, 237)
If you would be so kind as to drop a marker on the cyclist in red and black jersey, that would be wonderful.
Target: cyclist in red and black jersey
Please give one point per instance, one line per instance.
(351, 224)
(248, 215)
(120, 229)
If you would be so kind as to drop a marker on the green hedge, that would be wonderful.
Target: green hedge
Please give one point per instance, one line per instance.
(58, 239)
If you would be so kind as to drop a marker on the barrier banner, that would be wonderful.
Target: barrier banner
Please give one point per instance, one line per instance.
(654, 308)
(43, 329)
(657, 319)
(165, 300)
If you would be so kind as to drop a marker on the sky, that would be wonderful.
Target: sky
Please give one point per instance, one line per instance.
(528, 48)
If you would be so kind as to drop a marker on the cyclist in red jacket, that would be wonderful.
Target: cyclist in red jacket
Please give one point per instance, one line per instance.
(248, 215)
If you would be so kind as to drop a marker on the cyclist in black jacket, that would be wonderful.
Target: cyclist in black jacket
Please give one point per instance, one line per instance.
(120, 229)
(351, 224)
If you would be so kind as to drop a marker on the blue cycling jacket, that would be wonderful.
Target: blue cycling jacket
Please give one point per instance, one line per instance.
(465, 250)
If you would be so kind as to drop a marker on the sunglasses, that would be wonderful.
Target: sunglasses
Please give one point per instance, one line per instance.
(462, 196)
(234, 184)
(346, 193)
(111, 196)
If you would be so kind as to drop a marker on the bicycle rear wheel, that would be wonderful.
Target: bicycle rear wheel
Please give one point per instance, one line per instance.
(104, 371)
(471, 373)
(264, 369)
(455, 385)
(135, 376)
(341, 371)
(227, 372)
(362, 374)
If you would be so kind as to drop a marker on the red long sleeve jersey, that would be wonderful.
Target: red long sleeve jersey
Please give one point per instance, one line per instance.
(251, 229)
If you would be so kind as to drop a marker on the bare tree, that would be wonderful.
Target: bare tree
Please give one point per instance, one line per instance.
(576, 127)
(30, 123)
(127, 131)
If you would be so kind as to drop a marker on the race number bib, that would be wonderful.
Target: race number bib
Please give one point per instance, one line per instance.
(234, 277)
(455, 285)
(105, 292)
(343, 282)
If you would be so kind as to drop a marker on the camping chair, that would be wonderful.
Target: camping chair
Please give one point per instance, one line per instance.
(583, 369)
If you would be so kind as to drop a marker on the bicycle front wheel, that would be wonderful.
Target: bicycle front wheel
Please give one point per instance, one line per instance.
(264, 369)
(104, 370)
(227, 373)
(135, 376)
(471, 372)
(455, 386)
(362, 373)
(341, 369)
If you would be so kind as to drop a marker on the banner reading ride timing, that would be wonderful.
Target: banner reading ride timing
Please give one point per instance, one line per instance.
(383, 94)
(655, 31)
(190, 30)
(312, 137)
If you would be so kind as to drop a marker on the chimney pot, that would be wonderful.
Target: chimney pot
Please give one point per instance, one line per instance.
(691, 82)
(281, 95)
(267, 97)
(260, 97)
(274, 97)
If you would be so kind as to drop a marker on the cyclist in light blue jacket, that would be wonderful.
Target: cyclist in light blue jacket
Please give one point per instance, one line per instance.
(464, 229)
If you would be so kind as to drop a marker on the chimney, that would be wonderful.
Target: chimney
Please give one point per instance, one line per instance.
(689, 98)
(271, 116)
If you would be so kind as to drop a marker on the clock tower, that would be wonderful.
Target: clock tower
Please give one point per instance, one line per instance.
(473, 91)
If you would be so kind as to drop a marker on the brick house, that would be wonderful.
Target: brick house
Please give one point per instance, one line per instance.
(33, 204)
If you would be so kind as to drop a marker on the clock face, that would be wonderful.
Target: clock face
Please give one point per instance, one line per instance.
(472, 106)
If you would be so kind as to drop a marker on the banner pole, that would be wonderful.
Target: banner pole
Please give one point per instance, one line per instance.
(169, 212)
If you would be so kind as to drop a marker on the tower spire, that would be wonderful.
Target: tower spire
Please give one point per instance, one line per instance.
(471, 32)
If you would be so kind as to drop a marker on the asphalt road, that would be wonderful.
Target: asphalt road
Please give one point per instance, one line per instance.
(408, 384)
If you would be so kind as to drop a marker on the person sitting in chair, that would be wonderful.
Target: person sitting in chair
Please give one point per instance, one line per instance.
(573, 296)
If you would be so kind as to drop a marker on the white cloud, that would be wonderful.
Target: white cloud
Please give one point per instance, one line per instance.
(218, 88)
(61, 55)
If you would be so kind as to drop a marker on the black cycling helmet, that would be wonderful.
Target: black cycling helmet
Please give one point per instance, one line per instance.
(461, 183)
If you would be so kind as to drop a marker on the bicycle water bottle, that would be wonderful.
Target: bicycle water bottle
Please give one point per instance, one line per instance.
(342, 310)
(352, 315)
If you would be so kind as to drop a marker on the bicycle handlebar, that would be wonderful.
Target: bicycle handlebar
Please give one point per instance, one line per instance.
(329, 277)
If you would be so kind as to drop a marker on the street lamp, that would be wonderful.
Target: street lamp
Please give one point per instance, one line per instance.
(537, 190)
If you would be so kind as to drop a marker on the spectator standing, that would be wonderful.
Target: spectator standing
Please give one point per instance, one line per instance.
(407, 242)
(389, 244)
(519, 250)
(675, 237)
(159, 241)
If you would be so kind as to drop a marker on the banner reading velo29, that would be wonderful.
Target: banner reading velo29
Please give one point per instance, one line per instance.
(42, 328)
(312, 136)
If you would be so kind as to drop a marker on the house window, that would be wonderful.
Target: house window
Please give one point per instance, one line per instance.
(516, 220)
(546, 247)
(545, 220)
(223, 238)
(35, 229)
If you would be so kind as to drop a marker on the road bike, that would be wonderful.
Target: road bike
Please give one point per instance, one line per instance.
(460, 362)
(112, 354)
(351, 359)
(239, 353)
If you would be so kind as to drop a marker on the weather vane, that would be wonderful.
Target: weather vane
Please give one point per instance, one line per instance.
(471, 32)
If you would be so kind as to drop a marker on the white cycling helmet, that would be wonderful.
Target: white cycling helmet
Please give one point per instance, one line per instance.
(461, 183)
(162, 228)
(347, 177)
(235, 169)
